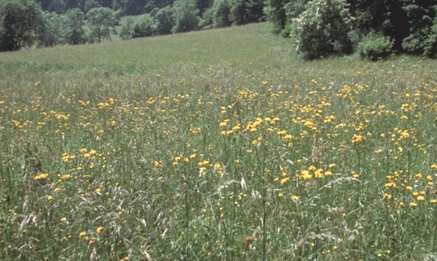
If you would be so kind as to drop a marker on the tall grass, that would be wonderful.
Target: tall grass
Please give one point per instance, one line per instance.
(215, 145)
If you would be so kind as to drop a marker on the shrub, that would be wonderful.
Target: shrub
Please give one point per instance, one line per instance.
(375, 46)
(20, 23)
(323, 29)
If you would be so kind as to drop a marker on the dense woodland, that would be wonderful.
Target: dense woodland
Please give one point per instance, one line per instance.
(317, 28)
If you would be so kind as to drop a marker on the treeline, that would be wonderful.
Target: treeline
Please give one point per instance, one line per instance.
(317, 28)
(373, 28)
(125, 7)
(26, 23)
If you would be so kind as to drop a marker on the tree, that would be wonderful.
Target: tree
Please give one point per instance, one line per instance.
(90, 4)
(74, 26)
(144, 26)
(21, 21)
(127, 28)
(52, 32)
(186, 16)
(323, 29)
(101, 21)
(221, 13)
(275, 13)
(246, 11)
(164, 20)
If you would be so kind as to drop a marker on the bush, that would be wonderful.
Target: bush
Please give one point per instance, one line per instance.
(323, 29)
(375, 47)
(20, 23)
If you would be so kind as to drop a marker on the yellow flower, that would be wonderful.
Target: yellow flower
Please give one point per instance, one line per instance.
(100, 230)
(413, 204)
(420, 198)
(65, 177)
(284, 181)
(358, 139)
(41, 176)
(305, 175)
(295, 198)
(83, 234)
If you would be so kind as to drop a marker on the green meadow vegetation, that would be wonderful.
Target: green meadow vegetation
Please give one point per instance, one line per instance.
(216, 145)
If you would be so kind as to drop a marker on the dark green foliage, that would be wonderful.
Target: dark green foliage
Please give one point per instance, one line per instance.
(144, 26)
(186, 16)
(323, 29)
(21, 21)
(430, 47)
(294, 8)
(375, 46)
(275, 12)
(74, 27)
(407, 22)
(90, 4)
(203, 5)
(164, 20)
(246, 11)
(221, 13)
(101, 21)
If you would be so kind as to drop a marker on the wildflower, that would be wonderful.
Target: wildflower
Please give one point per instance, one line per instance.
(100, 230)
(284, 181)
(355, 175)
(65, 177)
(404, 135)
(305, 175)
(295, 198)
(357, 139)
(83, 234)
(420, 198)
(41, 176)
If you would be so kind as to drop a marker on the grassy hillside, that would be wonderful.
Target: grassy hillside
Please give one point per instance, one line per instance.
(215, 145)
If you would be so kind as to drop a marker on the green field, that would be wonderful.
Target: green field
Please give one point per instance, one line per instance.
(215, 145)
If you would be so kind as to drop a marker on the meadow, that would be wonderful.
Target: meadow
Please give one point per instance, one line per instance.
(215, 145)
